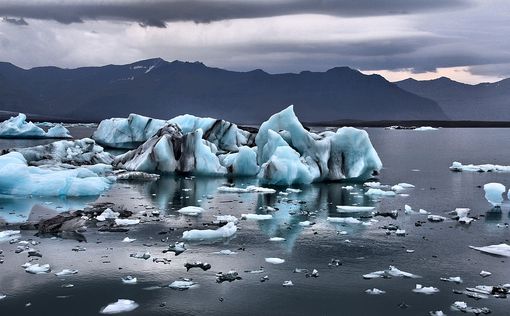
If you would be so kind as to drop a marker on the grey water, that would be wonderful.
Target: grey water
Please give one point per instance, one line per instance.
(440, 249)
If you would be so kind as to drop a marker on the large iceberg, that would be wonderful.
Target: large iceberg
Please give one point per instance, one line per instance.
(285, 152)
(76, 152)
(18, 127)
(17, 178)
(136, 129)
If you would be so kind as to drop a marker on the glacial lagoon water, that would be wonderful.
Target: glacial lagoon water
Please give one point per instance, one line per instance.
(440, 249)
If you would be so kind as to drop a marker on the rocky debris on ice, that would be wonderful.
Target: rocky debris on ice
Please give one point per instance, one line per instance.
(457, 166)
(494, 193)
(177, 248)
(107, 214)
(463, 307)
(427, 290)
(62, 223)
(229, 276)
(18, 127)
(121, 306)
(436, 218)
(129, 280)
(65, 152)
(274, 260)
(17, 178)
(391, 272)
(225, 231)
(498, 250)
(197, 264)
(136, 176)
(183, 284)
(140, 255)
(285, 151)
(375, 291)
(191, 210)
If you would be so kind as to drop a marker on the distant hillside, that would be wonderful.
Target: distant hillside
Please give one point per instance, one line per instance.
(164, 89)
(484, 101)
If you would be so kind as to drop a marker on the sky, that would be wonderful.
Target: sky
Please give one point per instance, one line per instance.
(466, 40)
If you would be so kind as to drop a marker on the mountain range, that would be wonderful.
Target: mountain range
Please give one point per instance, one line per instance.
(163, 89)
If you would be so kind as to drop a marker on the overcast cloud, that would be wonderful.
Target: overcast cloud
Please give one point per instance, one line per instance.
(465, 39)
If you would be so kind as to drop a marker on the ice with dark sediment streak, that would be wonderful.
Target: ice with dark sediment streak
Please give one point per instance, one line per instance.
(285, 152)
(18, 127)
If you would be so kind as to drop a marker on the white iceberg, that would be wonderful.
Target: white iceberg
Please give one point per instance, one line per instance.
(457, 166)
(126, 221)
(379, 192)
(225, 231)
(427, 290)
(425, 128)
(182, 284)
(499, 250)
(121, 306)
(17, 178)
(107, 214)
(18, 127)
(494, 193)
(191, 210)
(375, 291)
(129, 280)
(275, 260)
(37, 268)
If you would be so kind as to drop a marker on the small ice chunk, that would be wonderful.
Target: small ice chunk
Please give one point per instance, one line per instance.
(352, 208)
(275, 260)
(288, 283)
(344, 220)
(375, 291)
(457, 280)
(400, 232)
(425, 129)
(435, 218)
(427, 290)
(408, 209)
(393, 271)
(405, 185)
(36, 268)
(291, 190)
(191, 210)
(2, 296)
(485, 274)
(257, 217)
(126, 221)
(140, 255)
(248, 189)
(276, 239)
(107, 214)
(304, 223)
(379, 192)
(463, 307)
(129, 240)
(66, 272)
(499, 250)
(494, 193)
(437, 313)
(183, 284)
(121, 306)
(462, 215)
(226, 219)
(226, 252)
(225, 231)
(129, 280)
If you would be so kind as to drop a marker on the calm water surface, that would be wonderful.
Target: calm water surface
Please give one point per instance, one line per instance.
(441, 249)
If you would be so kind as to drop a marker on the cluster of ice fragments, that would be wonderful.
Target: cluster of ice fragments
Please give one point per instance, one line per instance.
(18, 127)
(282, 152)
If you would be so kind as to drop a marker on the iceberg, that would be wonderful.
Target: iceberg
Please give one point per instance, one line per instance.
(225, 231)
(494, 193)
(77, 153)
(427, 290)
(121, 306)
(285, 152)
(498, 250)
(17, 178)
(457, 166)
(18, 127)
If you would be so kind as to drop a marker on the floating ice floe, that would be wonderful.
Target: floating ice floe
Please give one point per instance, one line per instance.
(126, 221)
(121, 306)
(499, 250)
(136, 176)
(248, 189)
(391, 272)
(17, 178)
(6, 235)
(2, 296)
(379, 192)
(436, 218)
(18, 127)
(457, 166)
(276, 239)
(288, 283)
(36, 268)
(66, 272)
(437, 313)
(463, 307)
(425, 129)
(353, 209)
(457, 280)
(485, 274)
(462, 215)
(191, 210)
(225, 231)
(285, 151)
(183, 284)
(375, 291)
(344, 220)
(494, 193)
(305, 223)
(107, 214)
(257, 217)
(226, 219)
(274, 260)
(128, 240)
(427, 290)
(230, 276)
(226, 252)
(140, 255)
(129, 280)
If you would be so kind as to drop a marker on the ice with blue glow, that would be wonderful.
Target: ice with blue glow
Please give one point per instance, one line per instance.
(18, 127)
(17, 178)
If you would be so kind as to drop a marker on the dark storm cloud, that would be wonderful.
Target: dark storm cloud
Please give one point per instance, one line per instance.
(157, 12)
(14, 21)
